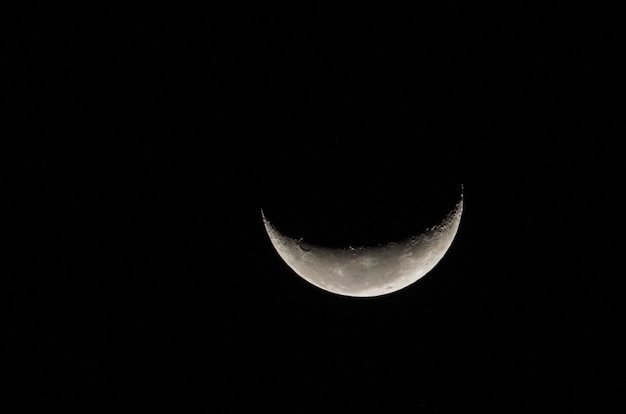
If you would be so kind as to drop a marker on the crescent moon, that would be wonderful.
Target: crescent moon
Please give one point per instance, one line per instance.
(368, 271)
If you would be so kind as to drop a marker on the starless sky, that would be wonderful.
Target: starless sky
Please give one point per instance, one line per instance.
(148, 139)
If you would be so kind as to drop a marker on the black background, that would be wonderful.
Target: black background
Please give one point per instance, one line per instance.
(145, 139)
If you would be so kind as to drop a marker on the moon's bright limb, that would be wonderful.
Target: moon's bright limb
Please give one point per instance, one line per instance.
(368, 271)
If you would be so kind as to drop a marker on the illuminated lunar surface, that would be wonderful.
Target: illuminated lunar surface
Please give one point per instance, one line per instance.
(368, 271)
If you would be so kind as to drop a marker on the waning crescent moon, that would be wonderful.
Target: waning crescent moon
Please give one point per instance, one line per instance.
(368, 271)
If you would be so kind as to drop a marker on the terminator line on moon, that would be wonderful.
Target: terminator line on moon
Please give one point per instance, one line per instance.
(368, 271)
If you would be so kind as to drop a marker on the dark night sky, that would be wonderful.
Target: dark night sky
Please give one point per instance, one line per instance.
(148, 139)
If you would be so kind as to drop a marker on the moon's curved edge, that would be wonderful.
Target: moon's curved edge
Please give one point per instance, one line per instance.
(453, 218)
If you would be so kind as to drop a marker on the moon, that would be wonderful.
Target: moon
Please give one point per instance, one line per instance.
(368, 271)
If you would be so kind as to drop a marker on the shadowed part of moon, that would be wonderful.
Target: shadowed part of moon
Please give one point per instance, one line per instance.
(368, 271)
